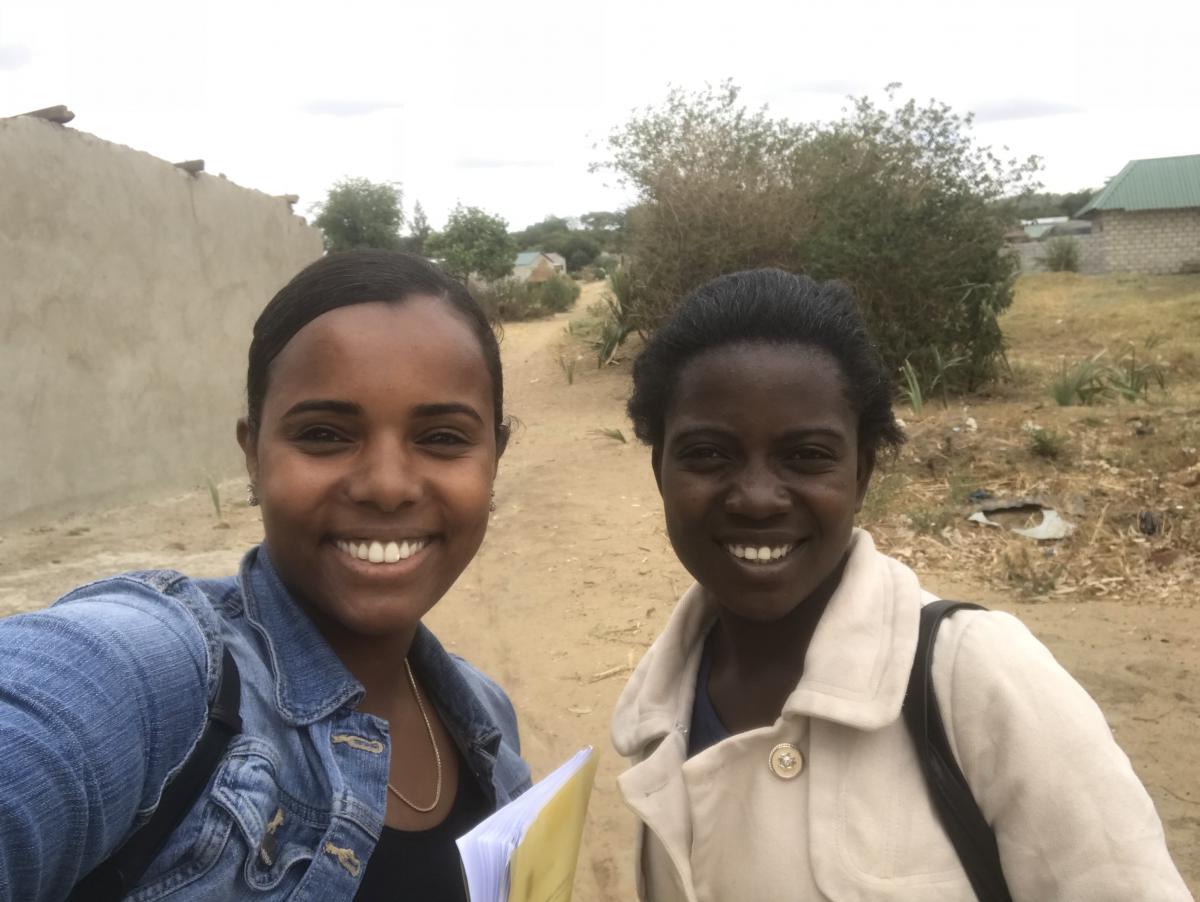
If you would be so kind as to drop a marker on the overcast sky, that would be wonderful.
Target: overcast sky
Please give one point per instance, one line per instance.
(502, 106)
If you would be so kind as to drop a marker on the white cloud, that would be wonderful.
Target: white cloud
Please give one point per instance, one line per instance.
(502, 106)
(14, 56)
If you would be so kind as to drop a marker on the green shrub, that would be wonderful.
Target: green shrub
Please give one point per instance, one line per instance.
(911, 389)
(900, 202)
(557, 293)
(613, 317)
(509, 300)
(1132, 379)
(1046, 443)
(1061, 255)
(1082, 383)
(604, 265)
(1091, 381)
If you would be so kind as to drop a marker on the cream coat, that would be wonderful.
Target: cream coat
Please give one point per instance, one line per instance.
(1071, 818)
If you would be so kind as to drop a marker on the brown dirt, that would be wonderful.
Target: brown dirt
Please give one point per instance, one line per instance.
(576, 576)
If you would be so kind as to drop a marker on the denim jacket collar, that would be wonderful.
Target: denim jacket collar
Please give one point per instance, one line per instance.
(310, 680)
(456, 701)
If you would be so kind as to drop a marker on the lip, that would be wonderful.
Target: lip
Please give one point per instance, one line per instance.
(383, 571)
(771, 540)
(382, 534)
(758, 539)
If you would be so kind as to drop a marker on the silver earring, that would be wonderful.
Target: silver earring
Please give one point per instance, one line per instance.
(251, 495)
(492, 503)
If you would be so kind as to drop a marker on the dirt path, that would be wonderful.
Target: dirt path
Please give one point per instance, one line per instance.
(576, 577)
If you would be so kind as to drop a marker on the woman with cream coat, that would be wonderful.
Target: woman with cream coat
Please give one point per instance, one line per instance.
(770, 758)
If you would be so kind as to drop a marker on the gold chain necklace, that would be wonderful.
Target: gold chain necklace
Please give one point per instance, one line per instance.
(437, 756)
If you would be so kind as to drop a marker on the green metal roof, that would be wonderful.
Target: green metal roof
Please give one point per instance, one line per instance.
(1165, 183)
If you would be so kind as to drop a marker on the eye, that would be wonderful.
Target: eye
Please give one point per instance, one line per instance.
(811, 456)
(320, 435)
(702, 457)
(446, 440)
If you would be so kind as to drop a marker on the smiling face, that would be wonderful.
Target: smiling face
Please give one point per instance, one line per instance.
(374, 462)
(761, 475)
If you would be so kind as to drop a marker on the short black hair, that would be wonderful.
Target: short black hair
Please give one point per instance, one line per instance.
(775, 307)
(359, 277)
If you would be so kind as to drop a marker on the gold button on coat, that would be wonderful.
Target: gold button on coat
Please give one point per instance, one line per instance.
(786, 761)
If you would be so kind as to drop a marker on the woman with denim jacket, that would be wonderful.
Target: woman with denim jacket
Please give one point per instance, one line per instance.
(373, 430)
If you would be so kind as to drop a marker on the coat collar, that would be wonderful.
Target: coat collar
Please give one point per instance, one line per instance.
(855, 673)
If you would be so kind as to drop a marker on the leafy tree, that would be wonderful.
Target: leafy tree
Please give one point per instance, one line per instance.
(419, 232)
(361, 213)
(607, 228)
(547, 235)
(474, 243)
(1045, 204)
(900, 202)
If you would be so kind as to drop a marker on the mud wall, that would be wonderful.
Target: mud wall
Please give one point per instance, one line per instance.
(128, 289)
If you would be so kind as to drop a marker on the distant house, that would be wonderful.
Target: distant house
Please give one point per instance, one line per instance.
(1147, 218)
(1028, 241)
(536, 266)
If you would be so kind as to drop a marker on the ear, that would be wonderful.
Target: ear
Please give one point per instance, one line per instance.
(656, 465)
(249, 445)
(866, 466)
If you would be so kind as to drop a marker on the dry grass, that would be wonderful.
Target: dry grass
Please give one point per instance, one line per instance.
(1058, 316)
(1121, 459)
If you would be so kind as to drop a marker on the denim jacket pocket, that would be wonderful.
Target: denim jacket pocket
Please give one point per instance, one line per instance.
(254, 839)
(279, 833)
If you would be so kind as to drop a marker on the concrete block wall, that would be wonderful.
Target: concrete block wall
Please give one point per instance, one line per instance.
(1149, 241)
(128, 289)
(1091, 254)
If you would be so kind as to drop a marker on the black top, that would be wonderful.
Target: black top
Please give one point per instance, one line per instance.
(706, 728)
(424, 864)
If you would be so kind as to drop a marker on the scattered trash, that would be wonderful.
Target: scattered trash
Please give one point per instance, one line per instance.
(991, 503)
(971, 425)
(579, 710)
(1052, 527)
(981, 517)
(1149, 523)
(1141, 426)
(979, 495)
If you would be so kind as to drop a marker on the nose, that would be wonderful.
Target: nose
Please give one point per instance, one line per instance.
(757, 492)
(385, 475)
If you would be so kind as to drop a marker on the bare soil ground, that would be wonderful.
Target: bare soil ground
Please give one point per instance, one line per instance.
(577, 577)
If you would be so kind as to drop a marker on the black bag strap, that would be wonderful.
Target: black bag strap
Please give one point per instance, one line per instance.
(972, 837)
(113, 878)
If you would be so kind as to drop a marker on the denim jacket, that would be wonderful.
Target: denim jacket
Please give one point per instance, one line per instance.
(103, 695)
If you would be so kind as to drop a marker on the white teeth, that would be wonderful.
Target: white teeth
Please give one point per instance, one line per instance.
(382, 552)
(760, 553)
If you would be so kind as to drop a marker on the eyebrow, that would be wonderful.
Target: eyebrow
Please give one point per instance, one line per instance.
(439, 410)
(790, 435)
(323, 405)
(349, 408)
